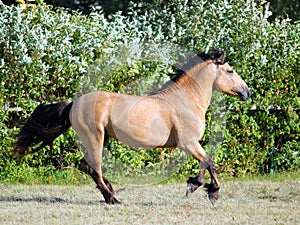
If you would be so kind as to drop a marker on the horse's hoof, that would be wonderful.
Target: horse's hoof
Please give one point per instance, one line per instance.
(213, 192)
(190, 188)
(114, 201)
(192, 185)
(213, 197)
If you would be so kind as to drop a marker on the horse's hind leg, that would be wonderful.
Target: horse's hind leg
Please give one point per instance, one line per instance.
(102, 183)
(91, 163)
(86, 168)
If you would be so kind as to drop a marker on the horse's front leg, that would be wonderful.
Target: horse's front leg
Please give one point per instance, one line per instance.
(193, 183)
(196, 150)
(205, 163)
(214, 186)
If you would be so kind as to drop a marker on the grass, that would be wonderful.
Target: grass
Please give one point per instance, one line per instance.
(244, 201)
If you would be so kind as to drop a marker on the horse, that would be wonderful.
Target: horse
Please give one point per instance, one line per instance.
(173, 116)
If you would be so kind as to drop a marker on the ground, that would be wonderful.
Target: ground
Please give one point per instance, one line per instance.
(240, 202)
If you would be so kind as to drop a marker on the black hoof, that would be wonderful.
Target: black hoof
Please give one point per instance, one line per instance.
(213, 192)
(192, 185)
(190, 189)
(112, 201)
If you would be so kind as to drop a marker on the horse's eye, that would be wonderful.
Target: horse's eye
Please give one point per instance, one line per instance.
(229, 71)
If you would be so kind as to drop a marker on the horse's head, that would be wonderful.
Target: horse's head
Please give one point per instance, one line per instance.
(228, 81)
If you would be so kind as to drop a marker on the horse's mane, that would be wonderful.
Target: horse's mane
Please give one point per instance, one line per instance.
(190, 63)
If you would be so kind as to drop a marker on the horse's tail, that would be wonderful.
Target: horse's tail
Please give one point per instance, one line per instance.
(46, 123)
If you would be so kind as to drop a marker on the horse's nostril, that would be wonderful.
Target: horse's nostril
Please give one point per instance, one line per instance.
(249, 93)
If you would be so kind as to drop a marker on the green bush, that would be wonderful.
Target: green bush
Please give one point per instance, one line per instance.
(51, 55)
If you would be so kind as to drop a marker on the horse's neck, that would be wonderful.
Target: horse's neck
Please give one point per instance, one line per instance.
(194, 89)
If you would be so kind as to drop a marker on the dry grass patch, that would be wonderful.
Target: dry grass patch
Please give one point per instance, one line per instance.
(241, 202)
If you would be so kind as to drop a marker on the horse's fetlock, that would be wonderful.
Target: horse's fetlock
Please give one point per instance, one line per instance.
(195, 181)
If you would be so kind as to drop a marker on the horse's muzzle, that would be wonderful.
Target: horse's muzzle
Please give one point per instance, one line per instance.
(244, 93)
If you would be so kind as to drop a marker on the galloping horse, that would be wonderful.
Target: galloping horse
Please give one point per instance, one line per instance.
(174, 116)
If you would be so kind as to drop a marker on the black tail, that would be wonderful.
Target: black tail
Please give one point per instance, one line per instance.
(45, 124)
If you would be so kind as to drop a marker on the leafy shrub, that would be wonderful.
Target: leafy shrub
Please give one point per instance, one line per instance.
(49, 55)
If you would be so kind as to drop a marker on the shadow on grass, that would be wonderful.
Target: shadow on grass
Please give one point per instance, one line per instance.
(49, 200)
(55, 200)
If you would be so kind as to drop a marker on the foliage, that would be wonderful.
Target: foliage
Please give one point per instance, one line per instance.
(284, 9)
(279, 8)
(49, 55)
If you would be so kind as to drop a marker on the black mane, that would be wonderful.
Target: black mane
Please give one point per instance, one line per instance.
(194, 61)
(191, 63)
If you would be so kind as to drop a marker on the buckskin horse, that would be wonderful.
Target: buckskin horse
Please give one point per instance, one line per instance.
(173, 116)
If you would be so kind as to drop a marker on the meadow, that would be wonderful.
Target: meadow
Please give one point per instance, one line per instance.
(250, 201)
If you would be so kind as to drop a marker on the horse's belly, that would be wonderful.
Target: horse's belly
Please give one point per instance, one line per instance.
(151, 135)
(141, 122)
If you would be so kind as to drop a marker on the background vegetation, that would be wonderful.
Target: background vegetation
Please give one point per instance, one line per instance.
(279, 8)
(46, 55)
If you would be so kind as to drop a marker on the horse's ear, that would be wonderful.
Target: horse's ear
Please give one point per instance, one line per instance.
(221, 59)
